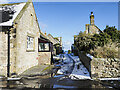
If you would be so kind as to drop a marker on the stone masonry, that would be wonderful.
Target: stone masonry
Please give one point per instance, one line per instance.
(92, 28)
(27, 25)
(101, 67)
(20, 58)
(44, 58)
(3, 53)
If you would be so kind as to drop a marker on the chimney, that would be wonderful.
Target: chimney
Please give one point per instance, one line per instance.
(45, 33)
(91, 19)
(29, 0)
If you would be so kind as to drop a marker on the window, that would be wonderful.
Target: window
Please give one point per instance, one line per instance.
(44, 47)
(30, 43)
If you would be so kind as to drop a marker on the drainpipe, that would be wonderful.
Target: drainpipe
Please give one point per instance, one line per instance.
(51, 52)
(8, 64)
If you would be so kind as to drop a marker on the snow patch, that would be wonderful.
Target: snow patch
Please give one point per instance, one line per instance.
(65, 66)
(17, 8)
(79, 71)
(55, 57)
(56, 76)
(13, 78)
(1, 77)
(90, 56)
(109, 78)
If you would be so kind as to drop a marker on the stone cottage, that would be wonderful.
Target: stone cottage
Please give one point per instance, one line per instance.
(45, 49)
(57, 44)
(92, 28)
(20, 37)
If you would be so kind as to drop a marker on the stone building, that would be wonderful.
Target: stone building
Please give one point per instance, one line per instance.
(20, 37)
(92, 28)
(57, 44)
(45, 49)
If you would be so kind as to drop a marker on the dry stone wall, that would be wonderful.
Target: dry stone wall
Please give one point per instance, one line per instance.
(101, 67)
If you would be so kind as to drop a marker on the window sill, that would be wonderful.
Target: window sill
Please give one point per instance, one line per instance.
(44, 51)
(30, 50)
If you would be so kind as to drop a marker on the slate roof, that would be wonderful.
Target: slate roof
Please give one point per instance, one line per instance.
(9, 12)
(51, 38)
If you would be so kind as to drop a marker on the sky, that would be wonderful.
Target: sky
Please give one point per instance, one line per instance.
(68, 18)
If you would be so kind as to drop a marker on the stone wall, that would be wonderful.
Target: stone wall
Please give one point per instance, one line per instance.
(27, 25)
(101, 67)
(3, 53)
(21, 58)
(13, 50)
(92, 29)
(85, 60)
(44, 58)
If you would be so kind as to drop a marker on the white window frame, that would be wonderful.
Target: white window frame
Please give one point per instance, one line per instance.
(44, 47)
(30, 43)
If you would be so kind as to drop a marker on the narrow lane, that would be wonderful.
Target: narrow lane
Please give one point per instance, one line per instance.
(67, 65)
(71, 74)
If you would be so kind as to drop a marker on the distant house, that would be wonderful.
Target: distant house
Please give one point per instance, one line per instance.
(57, 44)
(22, 44)
(45, 49)
(92, 28)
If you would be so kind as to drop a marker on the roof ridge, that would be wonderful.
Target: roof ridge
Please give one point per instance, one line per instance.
(11, 4)
(21, 12)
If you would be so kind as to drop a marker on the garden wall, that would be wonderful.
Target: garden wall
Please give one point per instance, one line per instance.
(85, 60)
(101, 67)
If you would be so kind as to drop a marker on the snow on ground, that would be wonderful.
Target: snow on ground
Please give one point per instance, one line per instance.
(17, 8)
(79, 71)
(1, 77)
(90, 56)
(65, 66)
(109, 78)
(13, 78)
(57, 57)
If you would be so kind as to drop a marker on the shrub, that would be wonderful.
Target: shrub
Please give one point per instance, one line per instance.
(99, 45)
(113, 32)
(69, 51)
(107, 51)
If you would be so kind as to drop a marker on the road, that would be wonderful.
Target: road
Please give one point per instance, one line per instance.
(64, 76)
(68, 75)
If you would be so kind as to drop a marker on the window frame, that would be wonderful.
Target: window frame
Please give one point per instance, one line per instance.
(41, 41)
(44, 50)
(33, 42)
